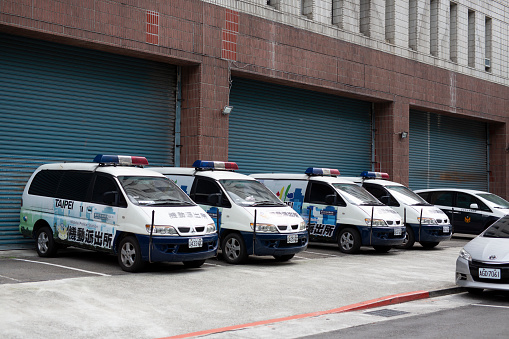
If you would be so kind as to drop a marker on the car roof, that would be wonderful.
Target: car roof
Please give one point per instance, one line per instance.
(214, 174)
(95, 167)
(296, 176)
(464, 190)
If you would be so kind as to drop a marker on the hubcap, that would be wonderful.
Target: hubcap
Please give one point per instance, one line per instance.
(42, 242)
(128, 254)
(232, 249)
(347, 241)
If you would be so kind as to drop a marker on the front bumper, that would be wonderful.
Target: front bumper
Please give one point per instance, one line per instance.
(430, 233)
(381, 236)
(464, 278)
(274, 243)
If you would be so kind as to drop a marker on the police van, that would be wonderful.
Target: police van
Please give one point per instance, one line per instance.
(113, 205)
(425, 223)
(337, 210)
(250, 219)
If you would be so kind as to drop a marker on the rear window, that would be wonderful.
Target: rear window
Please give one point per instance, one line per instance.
(500, 229)
(69, 185)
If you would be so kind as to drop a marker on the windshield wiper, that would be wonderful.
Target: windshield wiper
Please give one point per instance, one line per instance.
(370, 203)
(267, 203)
(170, 202)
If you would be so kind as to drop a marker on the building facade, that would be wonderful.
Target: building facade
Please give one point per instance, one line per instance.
(417, 88)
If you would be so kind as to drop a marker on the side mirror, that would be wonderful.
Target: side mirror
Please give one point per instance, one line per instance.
(330, 199)
(474, 206)
(214, 199)
(110, 198)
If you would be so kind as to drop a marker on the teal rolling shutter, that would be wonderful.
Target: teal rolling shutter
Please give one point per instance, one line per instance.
(63, 103)
(276, 128)
(447, 152)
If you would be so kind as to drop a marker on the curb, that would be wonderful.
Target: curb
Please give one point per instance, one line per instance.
(379, 302)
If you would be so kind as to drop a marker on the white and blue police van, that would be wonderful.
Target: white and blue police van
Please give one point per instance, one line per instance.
(114, 205)
(425, 223)
(337, 210)
(250, 219)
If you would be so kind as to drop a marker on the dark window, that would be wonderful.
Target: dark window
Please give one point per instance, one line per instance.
(318, 192)
(203, 188)
(441, 198)
(424, 195)
(74, 185)
(381, 194)
(464, 200)
(45, 183)
(106, 184)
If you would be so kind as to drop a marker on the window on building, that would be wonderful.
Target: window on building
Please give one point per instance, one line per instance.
(433, 27)
(337, 13)
(307, 8)
(412, 24)
(453, 33)
(390, 21)
(471, 38)
(488, 41)
(365, 17)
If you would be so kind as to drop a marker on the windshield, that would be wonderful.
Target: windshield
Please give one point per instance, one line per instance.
(406, 196)
(356, 194)
(153, 191)
(250, 193)
(500, 202)
(500, 229)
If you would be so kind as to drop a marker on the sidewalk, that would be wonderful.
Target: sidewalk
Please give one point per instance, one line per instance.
(165, 304)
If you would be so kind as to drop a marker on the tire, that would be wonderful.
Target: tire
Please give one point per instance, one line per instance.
(234, 249)
(129, 255)
(429, 244)
(409, 239)
(475, 291)
(382, 249)
(45, 244)
(349, 240)
(283, 258)
(193, 263)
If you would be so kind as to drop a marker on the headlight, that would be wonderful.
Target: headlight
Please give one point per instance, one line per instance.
(167, 230)
(376, 222)
(265, 228)
(465, 255)
(302, 226)
(428, 221)
(211, 228)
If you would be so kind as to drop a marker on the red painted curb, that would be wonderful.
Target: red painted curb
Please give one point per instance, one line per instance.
(383, 301)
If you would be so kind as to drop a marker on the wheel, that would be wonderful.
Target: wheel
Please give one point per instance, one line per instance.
(475, 291)
(234, 249)
(46, 246)
(129, 255)
(194, 263)
(409, 239)
(429, 244)
(382, 249)
(282, 258)
(349, 240)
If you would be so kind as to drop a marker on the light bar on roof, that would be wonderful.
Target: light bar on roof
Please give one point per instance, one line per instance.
(125, 160)
(216, 165)
(374, 175)
(322, 171)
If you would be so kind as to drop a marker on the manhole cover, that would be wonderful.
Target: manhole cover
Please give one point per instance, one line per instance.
(386, 312)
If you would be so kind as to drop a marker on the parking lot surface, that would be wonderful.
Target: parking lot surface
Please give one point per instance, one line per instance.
(87, 294)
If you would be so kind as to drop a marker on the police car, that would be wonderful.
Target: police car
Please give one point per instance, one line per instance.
(114, 205)
(337, 210)
(470, 211)
(250, 219)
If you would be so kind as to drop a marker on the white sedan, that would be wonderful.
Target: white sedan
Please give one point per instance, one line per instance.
(484, 262)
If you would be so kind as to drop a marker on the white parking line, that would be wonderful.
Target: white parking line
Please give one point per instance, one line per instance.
(211, 264)
(495, 306)
(66, 267)
(330, 255)
(3, 276)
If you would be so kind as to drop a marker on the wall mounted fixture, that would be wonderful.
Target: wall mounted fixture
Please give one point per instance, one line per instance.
(227, 110)
(403, 134)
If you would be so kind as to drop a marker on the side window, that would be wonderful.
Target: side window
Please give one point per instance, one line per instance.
(441, 198)
(464, 200)
(203, 188)
(106, 192)
(74, 185)
(45, 183)
(381, 194)
(318, 192)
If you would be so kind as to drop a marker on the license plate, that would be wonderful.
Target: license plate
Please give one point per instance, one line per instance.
(195, 242)
(446, 229)
(397, 231)
(292, 238)
(489, 273)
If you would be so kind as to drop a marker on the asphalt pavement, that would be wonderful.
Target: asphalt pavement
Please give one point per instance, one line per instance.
(168, 300)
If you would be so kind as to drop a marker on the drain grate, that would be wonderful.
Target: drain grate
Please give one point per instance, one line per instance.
(386, 313)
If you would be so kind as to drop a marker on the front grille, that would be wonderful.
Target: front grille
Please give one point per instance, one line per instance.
(282, 227)
(389, 222)
(504, 271)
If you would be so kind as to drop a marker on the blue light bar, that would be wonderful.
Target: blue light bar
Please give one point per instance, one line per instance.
(120, 160)
(374, 175)
(217, 165)
(322, 171)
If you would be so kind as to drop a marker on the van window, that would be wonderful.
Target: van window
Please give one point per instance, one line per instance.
(45, 183)
(105, 184)
(442, 198)
(203, 188)
(381, 194)
(318, 191)
(74, 185)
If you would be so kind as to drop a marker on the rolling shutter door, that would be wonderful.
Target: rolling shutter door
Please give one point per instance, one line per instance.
(63, 103)
(447, 152)
(276, 128)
